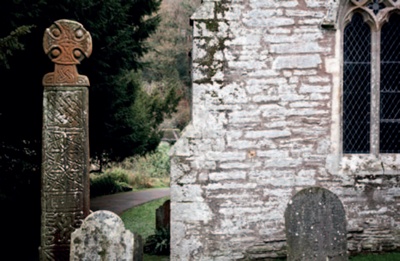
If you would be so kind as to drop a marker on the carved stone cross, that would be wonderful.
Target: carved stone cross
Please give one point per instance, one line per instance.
(65, 148)
(67, 43)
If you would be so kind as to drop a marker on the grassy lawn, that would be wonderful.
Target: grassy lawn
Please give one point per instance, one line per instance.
(377, 257)
(141, 220)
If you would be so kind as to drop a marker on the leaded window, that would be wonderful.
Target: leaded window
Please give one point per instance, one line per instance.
(371, 77)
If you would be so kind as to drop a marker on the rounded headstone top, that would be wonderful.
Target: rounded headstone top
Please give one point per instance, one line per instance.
(315, 222)
(102, 236)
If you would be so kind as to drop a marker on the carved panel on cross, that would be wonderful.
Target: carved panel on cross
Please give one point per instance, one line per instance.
(63, 165)
(64, 108)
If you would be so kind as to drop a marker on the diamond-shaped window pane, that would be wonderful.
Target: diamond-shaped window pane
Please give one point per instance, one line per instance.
(356, 86)
(390, 86)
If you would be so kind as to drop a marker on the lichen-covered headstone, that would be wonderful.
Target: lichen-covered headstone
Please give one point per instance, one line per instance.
(316, 226)
(102, 237)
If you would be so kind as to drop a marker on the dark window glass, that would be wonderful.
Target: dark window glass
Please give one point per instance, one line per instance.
(390, 86)
(356, 86)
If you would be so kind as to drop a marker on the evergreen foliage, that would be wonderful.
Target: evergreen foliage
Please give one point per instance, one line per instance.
(10, 43)
(119, 30)
(123, 117)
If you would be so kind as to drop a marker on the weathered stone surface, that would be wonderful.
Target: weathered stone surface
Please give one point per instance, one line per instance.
(138, 246)
(66, 43)
(316, 226)
(65, 146)
(163, 216)
(266, 121)
(102, 237)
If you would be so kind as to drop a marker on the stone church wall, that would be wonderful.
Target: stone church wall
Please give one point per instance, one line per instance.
(265, 124)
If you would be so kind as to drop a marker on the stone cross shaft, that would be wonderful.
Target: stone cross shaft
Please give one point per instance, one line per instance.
(65, 149)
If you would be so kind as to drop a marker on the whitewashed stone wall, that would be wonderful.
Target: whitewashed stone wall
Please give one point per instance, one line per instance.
(266, 124)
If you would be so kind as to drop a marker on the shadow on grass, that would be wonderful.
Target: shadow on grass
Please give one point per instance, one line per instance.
(155, 258)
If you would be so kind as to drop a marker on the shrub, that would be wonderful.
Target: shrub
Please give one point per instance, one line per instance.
(118, 174)
(150, 170)
(155, 164)
(112, 181)
(138, 172)
(140, 180)
(159, 243)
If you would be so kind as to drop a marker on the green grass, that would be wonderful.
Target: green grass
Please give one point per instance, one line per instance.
(142, 219)
(376, 257)
(155, 258)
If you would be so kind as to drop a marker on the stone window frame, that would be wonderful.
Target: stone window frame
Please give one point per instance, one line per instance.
(347, 9)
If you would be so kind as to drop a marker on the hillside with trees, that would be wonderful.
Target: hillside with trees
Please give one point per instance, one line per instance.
(138, 78)
(168, 61)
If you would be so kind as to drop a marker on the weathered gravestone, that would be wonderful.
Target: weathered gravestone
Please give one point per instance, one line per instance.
(103, 237)
(65, 149)
(163, 215)
(316, 226)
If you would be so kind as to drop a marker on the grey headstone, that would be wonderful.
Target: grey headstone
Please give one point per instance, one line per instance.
(138, 248)
(163, 215)
(316, 226)
(102, 237)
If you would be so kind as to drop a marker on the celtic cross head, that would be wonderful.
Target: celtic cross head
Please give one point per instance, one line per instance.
(66, 43)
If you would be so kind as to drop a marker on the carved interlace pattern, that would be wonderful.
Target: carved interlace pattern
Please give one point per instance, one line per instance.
(65, 139)
(66, 43)
(63, 168)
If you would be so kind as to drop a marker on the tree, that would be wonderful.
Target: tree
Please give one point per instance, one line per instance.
(10, 43)
(119, 29)
(169, 59)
